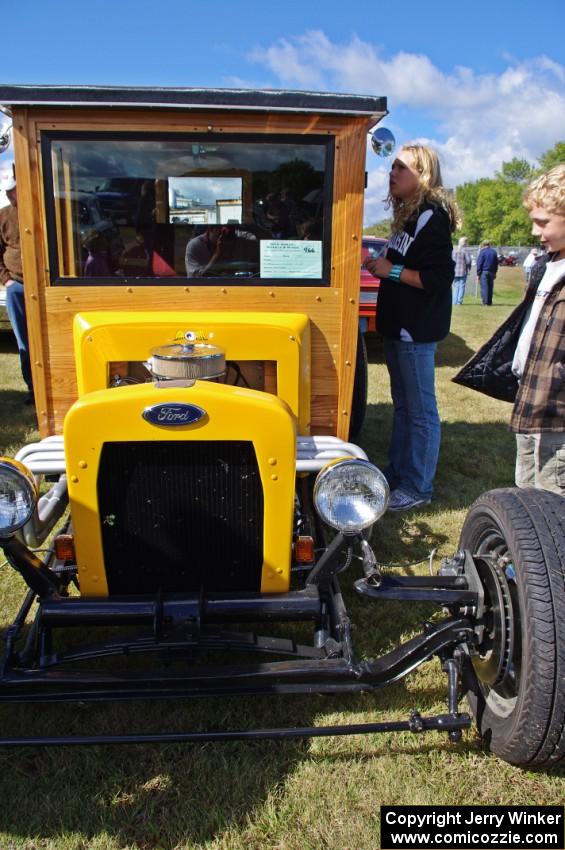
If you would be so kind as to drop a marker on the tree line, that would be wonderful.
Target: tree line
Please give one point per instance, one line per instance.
(491, 208)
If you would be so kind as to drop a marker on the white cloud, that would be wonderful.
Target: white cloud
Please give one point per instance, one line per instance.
(6, 164)
(478, 120)
(287, 60)
(6, 171)
(375, 193)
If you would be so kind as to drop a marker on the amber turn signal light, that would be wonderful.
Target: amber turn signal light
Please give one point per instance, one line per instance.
(65, 547)
(304, 550)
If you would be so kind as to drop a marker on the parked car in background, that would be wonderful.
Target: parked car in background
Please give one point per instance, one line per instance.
(507, 259)
(372, 246)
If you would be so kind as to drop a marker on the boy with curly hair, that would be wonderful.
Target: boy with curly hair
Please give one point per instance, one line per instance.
(538, 417)
(524, 361)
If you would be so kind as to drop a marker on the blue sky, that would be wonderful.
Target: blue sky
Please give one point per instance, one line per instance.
(481, 81)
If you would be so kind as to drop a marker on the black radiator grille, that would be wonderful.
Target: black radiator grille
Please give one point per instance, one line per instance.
(181, 516)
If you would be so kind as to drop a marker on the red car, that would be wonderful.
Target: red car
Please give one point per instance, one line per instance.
(372, 246)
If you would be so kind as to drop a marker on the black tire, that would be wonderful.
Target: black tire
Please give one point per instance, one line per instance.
(360, 388)
(519, 705)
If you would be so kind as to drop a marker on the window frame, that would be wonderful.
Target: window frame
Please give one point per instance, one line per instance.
(55, 279)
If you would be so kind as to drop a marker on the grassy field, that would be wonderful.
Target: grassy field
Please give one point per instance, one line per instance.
(296, 795)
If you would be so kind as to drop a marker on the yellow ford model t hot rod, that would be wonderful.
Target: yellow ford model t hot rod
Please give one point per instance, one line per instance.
(191, 262)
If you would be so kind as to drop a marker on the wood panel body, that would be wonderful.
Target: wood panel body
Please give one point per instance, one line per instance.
(333, 310)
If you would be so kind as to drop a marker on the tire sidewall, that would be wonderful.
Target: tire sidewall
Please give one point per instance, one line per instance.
(517, 735)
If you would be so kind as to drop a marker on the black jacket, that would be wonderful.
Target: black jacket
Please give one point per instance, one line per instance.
(424, 246)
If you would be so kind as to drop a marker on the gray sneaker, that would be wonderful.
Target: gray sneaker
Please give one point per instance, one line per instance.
(400, 500)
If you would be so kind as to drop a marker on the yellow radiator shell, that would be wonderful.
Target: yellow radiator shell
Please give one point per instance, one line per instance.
(102, 337)
(232, 413)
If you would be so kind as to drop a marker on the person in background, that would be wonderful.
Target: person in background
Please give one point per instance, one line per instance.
(487, 267)
(207, 253)
(524, 360)
(96, 263)
(144, 219)
(11, 276)
(312, 229)
(528, 263)
(414, 314)
(215, 251)
(278, 215)
(462, 260)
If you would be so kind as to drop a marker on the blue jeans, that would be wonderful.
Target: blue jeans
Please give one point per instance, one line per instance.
(487, 287)
(459, 288)
(16, 309)
(416, 428)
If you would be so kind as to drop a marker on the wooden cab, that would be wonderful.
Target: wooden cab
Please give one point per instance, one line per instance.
(124, 196)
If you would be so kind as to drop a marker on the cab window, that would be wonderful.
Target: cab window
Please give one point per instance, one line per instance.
(173, 208)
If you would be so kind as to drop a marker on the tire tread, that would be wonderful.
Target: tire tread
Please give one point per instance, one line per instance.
(535, 522)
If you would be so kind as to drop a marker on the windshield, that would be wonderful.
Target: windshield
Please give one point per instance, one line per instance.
(185, 208)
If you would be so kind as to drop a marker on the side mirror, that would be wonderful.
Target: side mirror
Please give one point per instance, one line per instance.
(5, 139)
(382, 141)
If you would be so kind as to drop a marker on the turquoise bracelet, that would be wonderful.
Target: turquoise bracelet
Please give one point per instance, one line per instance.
(395, 272)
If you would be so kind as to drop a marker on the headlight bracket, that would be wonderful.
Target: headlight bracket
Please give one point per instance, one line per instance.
(330, 562)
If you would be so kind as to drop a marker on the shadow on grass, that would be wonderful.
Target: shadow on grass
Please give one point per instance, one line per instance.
(453, 351)
(146, 796)
(18, 420)
(474, 457)
(8, 343)
(164, 796)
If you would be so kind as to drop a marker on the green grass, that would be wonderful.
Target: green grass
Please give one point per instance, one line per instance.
(296, 795)
(17, 421)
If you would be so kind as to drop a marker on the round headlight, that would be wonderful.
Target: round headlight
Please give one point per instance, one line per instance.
(350, 494)
(18, 495)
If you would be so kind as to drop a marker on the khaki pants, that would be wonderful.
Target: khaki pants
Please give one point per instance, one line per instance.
(540, 461)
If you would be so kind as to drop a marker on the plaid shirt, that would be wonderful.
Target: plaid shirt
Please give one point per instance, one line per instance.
(462, 260)
(540, 402)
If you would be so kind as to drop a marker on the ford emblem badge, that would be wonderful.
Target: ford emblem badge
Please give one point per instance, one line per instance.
(173, 414)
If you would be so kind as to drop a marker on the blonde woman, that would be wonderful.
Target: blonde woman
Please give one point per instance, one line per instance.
(414, 314)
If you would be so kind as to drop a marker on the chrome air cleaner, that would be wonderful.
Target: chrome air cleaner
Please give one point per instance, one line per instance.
(187, 361)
